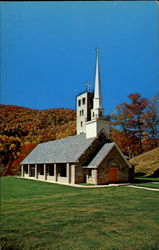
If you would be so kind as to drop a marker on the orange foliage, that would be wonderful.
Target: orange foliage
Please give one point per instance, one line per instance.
(23, 128)
(138, 122)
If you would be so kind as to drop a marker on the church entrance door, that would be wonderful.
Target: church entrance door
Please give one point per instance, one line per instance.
(113, 175)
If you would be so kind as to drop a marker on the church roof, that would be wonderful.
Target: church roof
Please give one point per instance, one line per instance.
(101, 154)
(59, 151)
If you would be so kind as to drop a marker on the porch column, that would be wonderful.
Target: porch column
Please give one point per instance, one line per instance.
(36, 171)
(55, 171)
(68, 172)
(22, 170)
(95, 177)
(73, 169)
(28, 170)
(45, 177)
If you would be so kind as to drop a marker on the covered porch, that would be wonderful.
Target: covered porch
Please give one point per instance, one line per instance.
(56, 172)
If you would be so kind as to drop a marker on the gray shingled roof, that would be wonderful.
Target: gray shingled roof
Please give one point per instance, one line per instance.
(59, 151)
(101, 154)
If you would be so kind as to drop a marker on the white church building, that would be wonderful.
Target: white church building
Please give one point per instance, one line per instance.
(88, 157)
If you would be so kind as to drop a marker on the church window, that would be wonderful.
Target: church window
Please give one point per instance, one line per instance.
(26, 169)
(81, 124)
(79, 103)
(41, 169)
(63, 170)
(82, 112)
(32, 170)
(83, 101)
(51, 169)
(93, 114)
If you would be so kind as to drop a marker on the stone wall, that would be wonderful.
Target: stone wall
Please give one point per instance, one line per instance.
(79, 174)
(103, 170)
(101, 174)
(92, 179)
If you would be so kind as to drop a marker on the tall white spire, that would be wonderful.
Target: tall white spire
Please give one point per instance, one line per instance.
(97, 111)
(97, 92)
(97, 122)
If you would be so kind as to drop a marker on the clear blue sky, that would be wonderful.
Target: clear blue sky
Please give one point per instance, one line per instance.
(48, 51)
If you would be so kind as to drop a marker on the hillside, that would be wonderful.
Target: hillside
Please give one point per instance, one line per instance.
(147, 163)
(25, 122)
(21, 129)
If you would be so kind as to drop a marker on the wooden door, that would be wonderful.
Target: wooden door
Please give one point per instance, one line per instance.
(113, 175)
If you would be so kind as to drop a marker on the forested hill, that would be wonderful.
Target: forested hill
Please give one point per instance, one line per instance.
(36, 125)
(21, 129)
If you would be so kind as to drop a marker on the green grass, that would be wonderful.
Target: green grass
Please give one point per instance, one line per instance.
(150, 185)
(147, 182)
(146, 179)
(37, 215)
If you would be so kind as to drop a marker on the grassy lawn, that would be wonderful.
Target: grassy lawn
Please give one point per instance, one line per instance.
(147, 182)
(37, 215)
(150, 185)
(147, 179)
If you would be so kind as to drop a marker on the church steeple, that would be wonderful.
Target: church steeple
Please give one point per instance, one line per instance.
(97, 111)
(97, 92)
(90, 119)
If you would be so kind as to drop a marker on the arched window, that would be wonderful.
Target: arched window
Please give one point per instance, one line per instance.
(81, 124)
(113, 164)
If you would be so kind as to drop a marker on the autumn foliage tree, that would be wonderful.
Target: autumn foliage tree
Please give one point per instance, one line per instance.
(25, 150)
(151, 121)
(9, 148)
(21, 129)
(137, 122)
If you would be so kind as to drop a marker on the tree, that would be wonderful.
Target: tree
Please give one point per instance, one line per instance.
(151, 121)
(135, 124)
(9, 148)
(130, 118)
(25, 150)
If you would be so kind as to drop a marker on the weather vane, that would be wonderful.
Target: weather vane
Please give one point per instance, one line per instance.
(88, 85)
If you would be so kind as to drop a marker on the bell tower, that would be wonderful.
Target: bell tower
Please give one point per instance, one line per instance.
(84, 104)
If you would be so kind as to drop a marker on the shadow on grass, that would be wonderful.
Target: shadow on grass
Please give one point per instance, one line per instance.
(142, 178)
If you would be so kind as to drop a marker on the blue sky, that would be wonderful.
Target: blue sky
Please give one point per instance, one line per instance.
(48, 51)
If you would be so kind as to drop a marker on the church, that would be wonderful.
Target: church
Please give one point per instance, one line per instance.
(89, 157)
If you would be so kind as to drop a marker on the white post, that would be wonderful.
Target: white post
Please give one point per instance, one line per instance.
(28, 170)
(36, 171)
(95, 177)
(45, 171)
(68, 172)
(73, 169)
(22, 170)
(55, 171)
